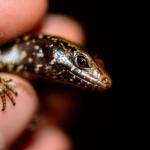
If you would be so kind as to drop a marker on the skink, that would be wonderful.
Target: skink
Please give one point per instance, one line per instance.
(50, 57)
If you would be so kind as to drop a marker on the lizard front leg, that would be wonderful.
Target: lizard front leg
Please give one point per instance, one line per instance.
(6, 90)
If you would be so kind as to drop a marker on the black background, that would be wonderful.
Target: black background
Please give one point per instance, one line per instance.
(94, 122)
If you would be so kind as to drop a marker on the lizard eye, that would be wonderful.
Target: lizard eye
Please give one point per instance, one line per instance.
(81, 61)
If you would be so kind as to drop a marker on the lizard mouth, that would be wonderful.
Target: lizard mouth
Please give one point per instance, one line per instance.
(91, 82)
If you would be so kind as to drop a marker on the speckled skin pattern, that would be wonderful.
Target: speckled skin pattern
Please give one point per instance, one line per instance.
(53, 58)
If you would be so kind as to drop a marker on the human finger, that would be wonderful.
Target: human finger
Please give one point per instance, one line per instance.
(19, 17)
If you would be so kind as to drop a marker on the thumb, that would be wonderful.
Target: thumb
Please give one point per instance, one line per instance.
(14, 119)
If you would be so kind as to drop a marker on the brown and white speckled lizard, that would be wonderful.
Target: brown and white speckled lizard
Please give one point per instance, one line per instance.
(49, 57)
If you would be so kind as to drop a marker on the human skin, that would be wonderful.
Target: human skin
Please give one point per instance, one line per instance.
(19, 17)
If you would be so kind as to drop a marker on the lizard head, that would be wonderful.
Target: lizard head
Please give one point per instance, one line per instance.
(78, 67)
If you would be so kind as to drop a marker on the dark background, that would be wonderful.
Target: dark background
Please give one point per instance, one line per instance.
(94, 123)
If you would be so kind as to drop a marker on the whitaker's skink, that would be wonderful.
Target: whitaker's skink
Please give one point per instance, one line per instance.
(50, 57)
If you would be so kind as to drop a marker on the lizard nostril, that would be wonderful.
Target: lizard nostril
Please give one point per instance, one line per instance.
(107, 81)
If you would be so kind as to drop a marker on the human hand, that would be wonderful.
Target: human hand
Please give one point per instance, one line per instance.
(17, 18)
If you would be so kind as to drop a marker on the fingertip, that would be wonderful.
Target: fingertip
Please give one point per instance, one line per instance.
(64, 26)
(19, 17)
(15, 118)
(49, 137)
